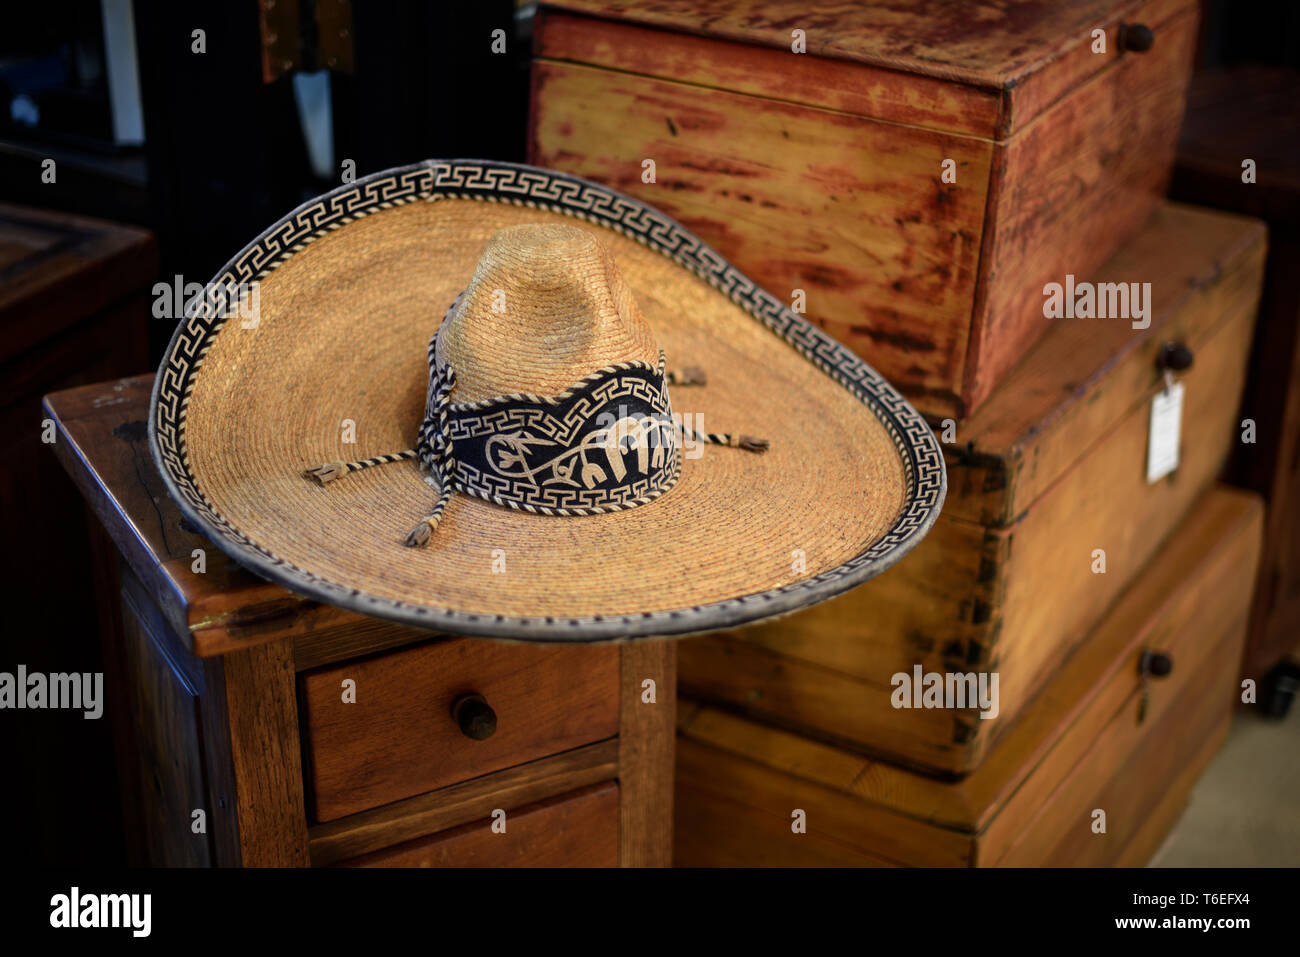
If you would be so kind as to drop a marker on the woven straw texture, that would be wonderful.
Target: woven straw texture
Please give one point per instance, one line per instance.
(547, 306)
(343, 332)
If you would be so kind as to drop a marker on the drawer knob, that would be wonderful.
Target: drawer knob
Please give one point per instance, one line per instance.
(1175, 357)
(474, 716)
(1136, 37)
(1157, 664)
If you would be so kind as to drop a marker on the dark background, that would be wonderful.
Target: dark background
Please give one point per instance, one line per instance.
(224, 155)
(223, 158)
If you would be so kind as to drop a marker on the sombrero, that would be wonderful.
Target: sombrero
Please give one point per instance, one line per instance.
(491, 399)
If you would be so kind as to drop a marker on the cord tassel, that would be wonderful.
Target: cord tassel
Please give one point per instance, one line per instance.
(687, 375)
(327, 472)
(749, 443)
(419, 536)
(330, 471)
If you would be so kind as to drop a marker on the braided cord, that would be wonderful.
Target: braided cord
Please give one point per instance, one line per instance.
(335, 470)
(421, 534)
(749, 443)
(436, 453)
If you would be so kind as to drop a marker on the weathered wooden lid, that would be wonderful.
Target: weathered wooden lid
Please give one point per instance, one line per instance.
(996, 45)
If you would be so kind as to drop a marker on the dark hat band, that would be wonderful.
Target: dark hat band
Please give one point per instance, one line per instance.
(605, 444)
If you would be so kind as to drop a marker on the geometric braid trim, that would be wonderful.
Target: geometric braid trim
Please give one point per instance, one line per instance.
(528, 186)
(605, 444)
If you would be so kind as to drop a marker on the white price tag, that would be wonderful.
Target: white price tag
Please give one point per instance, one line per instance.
(1166, 432)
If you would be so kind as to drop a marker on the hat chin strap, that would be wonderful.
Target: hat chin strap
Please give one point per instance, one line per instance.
(606, 444)
(435, 449)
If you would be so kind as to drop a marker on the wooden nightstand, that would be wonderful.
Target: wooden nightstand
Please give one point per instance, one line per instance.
(307, 735)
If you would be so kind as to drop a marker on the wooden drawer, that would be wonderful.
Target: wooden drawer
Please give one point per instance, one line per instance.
(1099, 737)
(398, 738)
(824, 171)
(579, 829)
(1052, 468)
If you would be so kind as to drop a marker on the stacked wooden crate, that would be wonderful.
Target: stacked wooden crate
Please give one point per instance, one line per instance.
(1049, 516)
(1102, 736)
(919, 172)
(919, 180)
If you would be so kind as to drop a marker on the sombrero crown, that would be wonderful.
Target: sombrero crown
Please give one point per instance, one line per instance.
(547, 391)
(546, 306)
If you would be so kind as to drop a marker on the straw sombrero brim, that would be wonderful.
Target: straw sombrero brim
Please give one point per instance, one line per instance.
(350, 288)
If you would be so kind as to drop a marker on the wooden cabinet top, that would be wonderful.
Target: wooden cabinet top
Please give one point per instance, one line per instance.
(208, 598)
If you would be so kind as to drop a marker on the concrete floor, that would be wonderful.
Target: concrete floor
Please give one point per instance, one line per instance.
(1245, 810)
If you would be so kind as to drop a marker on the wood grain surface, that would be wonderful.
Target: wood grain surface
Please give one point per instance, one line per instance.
(767, 72)
(850, 210)
(645, 752)
(822, 171)
(572, 830)
(1126, 772)
(1078, 381)
(459, 804)
(1069, 190)
(999, 45)
(399, 738)
(265, 761)
(1082, 742)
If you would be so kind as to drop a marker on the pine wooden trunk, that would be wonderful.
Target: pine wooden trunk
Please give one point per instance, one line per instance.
(1101, 737)
(1051, 469)
(823, 171)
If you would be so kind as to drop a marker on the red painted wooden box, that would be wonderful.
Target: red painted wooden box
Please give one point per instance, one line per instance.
(920, 171)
